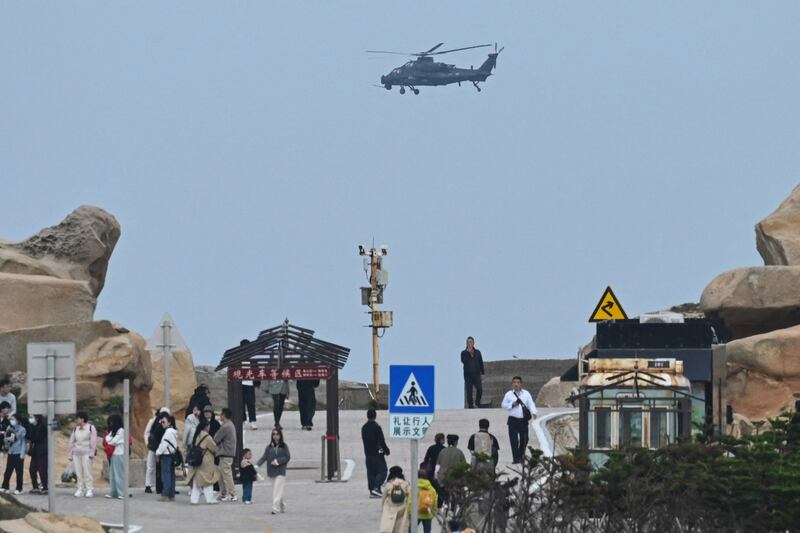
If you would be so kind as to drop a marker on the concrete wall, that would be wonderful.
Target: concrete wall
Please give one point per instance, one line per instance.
(534, 374)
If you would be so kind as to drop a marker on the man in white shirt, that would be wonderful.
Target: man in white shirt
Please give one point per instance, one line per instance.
(513, 403)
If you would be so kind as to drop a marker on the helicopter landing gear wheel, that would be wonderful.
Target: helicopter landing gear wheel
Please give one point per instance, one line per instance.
(402, 90)
(416, 91)
(388, 87)
(475, 83)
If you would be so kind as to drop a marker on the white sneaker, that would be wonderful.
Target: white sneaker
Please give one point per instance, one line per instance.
(234, 499)
(89, 494)
(78, 493)
(225, 498)
(17, 492)
(253, 425)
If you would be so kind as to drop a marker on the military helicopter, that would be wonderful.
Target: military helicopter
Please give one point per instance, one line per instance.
(425, 71)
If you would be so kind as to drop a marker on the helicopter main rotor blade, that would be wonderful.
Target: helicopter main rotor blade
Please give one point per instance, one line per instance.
(431, 50)
(458, 49)
(386, 52)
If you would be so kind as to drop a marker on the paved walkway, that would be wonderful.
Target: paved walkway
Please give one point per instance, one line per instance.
(311, 506)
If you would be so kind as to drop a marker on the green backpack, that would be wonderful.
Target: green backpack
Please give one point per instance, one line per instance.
(397, 494)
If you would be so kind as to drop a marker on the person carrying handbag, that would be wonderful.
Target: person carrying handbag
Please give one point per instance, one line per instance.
(521, 410)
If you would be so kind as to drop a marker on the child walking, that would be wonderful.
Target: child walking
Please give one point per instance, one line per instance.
(248, 474)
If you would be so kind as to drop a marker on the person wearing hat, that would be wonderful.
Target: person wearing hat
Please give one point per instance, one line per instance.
(396, 494)
(153, 433)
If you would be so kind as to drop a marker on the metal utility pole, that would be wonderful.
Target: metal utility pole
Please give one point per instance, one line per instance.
(126, 421)
(372, 296)
(166, 345)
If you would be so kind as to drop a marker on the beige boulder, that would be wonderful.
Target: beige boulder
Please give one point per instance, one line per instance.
(764, 373)
(182, 379)
(30, 301)
(778, 235)
(78, 248)
(775, 354)
(555, 392)
(757, 396)
(754, 300)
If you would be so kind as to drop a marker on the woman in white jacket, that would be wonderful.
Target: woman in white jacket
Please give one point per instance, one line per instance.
(164, 456)
(116, 438)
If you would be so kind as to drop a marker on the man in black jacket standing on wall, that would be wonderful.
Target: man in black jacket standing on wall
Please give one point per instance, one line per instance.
(473, 369)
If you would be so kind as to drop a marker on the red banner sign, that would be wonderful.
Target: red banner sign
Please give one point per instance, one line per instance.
(264, 374)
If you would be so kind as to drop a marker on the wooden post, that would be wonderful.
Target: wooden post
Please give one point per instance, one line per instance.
(235, 404)
(332, 433)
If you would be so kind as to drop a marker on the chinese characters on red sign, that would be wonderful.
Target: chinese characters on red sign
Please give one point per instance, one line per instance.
(294, 373)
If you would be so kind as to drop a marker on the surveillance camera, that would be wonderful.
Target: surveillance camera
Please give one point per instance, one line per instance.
(361, 250)
(384, 249)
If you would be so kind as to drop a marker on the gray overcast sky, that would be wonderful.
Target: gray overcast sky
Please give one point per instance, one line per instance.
(245, 152)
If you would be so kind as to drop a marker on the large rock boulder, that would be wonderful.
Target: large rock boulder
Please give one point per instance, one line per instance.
(754, 300)
(29, 301)
(764, 373)
(778, 235)
(78, 248)
(182, 380)
(555, 392)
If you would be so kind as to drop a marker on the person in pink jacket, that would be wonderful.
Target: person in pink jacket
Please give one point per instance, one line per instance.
(82, 450)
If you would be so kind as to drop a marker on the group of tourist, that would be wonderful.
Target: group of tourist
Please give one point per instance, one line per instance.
(20, 437)
(434, 473)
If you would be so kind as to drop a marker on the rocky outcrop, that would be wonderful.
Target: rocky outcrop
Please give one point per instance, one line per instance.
(78, 248)
(754, 300)
(182, 379)
(555, 392)
(778, 235)
(29, 301)
(764, 372)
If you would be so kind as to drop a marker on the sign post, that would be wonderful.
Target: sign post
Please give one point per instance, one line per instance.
(126, 421)
(411, 407)
(51, 392)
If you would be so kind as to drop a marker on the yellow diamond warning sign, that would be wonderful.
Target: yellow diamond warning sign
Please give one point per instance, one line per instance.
(608, 308)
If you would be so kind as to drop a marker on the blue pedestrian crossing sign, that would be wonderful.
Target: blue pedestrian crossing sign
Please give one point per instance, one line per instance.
(411, 400)
(411, 389)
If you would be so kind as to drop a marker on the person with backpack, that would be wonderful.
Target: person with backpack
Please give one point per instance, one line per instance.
(15, 440)
(394, 508)
(277, 456)
(427, 502)
(484, 447)
(82, 450)
(116, 469)
(38, 453)
(165, 454)
(203, 473)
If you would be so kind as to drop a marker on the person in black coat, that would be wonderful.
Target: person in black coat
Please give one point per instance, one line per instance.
(472, 360)
(307, 401)
(375, 452)
(38, 452)
(199, 398)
